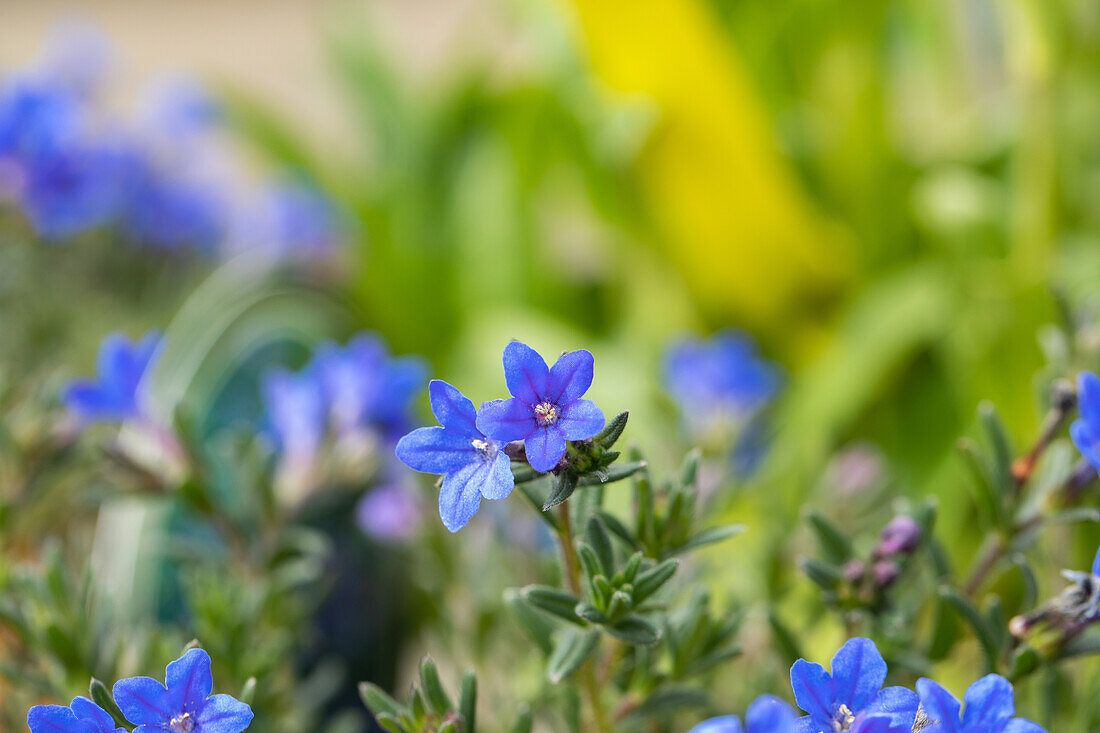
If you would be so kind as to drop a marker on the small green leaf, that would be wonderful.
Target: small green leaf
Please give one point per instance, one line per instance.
(589, 612)
(617, 528)
(837, 547)
(390, 722)
(597, 537)
(987, 638)
(651, 580)
(533, 622)
(467, 700)
(438, 700)
(102, 697)
(710, 536)
(571, 648)
(562, 489)
(524, 722)
(690, 468)
(635, 630)
(617, 472)
(589, 562)
(612, 431)
(825, 575)
(378, 701)
(552, 600)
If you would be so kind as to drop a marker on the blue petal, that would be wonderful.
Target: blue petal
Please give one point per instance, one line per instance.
(939, 705)
(807, 724)
(1088, 398)
(900, 703)
(989, 703)
(812, 687)
(880, 724)
(223, 714)
(460, 495)
(499, 480)
(295, 410)
(525, 372)
(580, 419)
(570, 377)
(1022, 725)
(452, 408)
(143, 700)
(545, 447)
(769, 714)
(189, 680)
(722, 724)
(1096, 563)
(436, 450)
(99, 718)
(56, 719)
(510, 419)
(1086, 441)
(858, 673)
(85, 398)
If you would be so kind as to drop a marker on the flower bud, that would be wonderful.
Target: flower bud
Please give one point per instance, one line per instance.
(854, 571)
(900, 536)
(885, 572)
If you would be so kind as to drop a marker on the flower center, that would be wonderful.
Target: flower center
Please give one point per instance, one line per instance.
(546, 414)
(484, 446)
(181, 723)
(843, 719)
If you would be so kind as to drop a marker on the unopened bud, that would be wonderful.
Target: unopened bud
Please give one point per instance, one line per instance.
(900, 536)
(854, 571)
(885, 572)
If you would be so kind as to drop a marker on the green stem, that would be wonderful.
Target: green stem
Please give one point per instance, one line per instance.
(586, 675)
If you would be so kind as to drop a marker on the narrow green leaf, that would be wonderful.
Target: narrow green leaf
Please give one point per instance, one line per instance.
(378, 700)
(467, 701)
(562, 489)
(634, 630)
(824, 574)
(589, 612)
(710, 536)
(390, 722)
(617, 472)
(835, 545)
(620, 530)
(102, 697)
(977, 622)
(990, 498)
(589, 562)
(651, 580)
(597, 537)
(533, 622)
(784, 639)
(571, 648)
(612, 431)
(689, 470)
(554, 601)
(999, 444)
(524, 722)
(436, 697)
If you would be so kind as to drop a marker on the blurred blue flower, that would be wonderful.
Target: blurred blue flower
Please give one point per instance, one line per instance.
(546, 408)
(388, 513)
(990, 708)
(82, 716)
(295, 413)
(116, 392)
(852, 692)
(184, 704)
(34, 116)
(366, 387)
(289, 220)
(766, 714)
(170, 211)
(471, 463)
(1086, 431)
(723, 376)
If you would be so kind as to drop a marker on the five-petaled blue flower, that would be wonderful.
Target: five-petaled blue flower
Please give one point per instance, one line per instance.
(766, 714)
(546, 408)
(471, 463)
(82, 716)
(989, 708)
(185, 704)
(115, 394)
(1086, 431)
(840, 701)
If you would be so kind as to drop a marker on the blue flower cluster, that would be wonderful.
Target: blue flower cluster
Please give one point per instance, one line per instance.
(184, 704)
(162, 181)
(851, 698)
(545, 411)
(116, 392)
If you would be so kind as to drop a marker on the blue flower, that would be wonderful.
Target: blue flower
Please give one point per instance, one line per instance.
(82, 716)
(766, 714)
(185, 704)
(546, 408)
(289, 220)
(1086, 431)
(838, 701)
(365, 387)
(295, 413)
(472, 464)
(116, 392)
(722, 377)
(989, 708)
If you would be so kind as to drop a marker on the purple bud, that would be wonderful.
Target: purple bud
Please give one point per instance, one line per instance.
(900, 536)
(854, 570)
(885, 573)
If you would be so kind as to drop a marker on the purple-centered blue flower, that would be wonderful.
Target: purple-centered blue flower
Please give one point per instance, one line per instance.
(1086, 430)
(116, 391)
(990, 708)
(184, 704)
(546, 408)
(766, 714)
(839, 700)
(82, 716)
(471, 463)
(723, 375)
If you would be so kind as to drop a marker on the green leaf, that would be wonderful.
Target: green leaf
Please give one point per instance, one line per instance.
(987, 638)
(612, 430)
(988, 495)
(589, 562)
(589, 612)
(999, 444)
(102, 697)
(522, 473)
(571, 648)
(619, 529)
(617, 472)
(524, 722)
(663, 704)
(597, 537)
(634, 630)
(562, 489)
(710, 536)
(1025, 660)
(390, 722)
(533, 622)
(824, 574)
(651, 580)
(438, 700)
(690, 468)
(467, 701)
(836, 546)
(378, 701)
(554, 601)
(248, 692)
